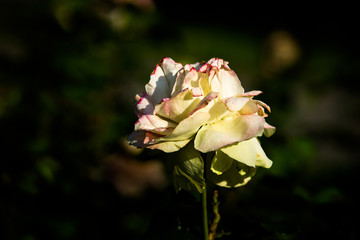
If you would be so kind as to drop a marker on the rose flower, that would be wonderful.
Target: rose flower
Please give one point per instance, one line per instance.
(202, 108)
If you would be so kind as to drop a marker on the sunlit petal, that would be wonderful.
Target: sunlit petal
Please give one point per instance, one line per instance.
(227, 131)
(248, 152)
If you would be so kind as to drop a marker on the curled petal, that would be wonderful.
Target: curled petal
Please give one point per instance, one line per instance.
(269, 130)
(251, 93)
(263, 105)
(179, 107)
(155, 124)
(234, 104)
(249, 108)
(162, 80)
(144, 106)
(226, 83)
(204, 68)
(248, 152)
(217, 62)
(230, 130)
(236, 175)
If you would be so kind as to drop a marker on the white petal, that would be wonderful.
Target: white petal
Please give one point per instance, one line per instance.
(226, 83)
(162, 80)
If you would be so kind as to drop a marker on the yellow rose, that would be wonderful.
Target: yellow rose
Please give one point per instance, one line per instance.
(204, 107)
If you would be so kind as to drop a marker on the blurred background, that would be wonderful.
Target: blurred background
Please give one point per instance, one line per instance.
(69, 70)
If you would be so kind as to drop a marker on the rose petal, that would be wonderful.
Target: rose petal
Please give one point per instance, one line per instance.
(188, 127)
(179, 107)
(237, 175)
(234, 104)
(251, 93)
(249, 108)
(214, 136)
(218, 62)
(204, 83)
(169, 147)
(263, 105)
(144, 106)
(226, 83)
(142, 138)
(196, 92)
(205, 101)
(220, 164)
(191, 78)
(154, 123)
(150, 140)
(248, 152)
(162, 80)
(269, 130)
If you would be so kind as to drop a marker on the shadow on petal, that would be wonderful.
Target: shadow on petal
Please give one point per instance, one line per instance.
(236, 175)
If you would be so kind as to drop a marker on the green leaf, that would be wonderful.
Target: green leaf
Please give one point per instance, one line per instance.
(189, 170)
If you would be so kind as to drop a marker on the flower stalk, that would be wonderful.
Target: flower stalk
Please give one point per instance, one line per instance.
(205, 216)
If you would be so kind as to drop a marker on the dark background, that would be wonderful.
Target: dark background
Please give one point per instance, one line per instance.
(69, 71)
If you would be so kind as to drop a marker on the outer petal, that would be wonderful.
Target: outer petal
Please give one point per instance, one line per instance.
(230, 130)
(248, 152)
(234, 104)
(169, 147)
(189, 170)
(154, 123)
(144, 105)
(226, 83)
(245, 105)
(269, 130)
(251, 93)
(162, 80)
(178, 107)
(142, 138)
(218, 62)
(150, 140)
(221, 164)
(237, 175)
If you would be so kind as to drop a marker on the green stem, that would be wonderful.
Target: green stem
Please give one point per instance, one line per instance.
(205, 217)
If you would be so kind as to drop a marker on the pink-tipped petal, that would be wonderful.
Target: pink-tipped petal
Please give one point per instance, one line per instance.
(234, 104)
(179, 107)
(162, 80)
(191, 78)
(226, 83)
(249, 108)
(263, 105)
(230, 130)
(251, 93)
(196, 92)
(205, 101)
(269, 130)
(154, 123)
(204, 68)
(144, 106)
